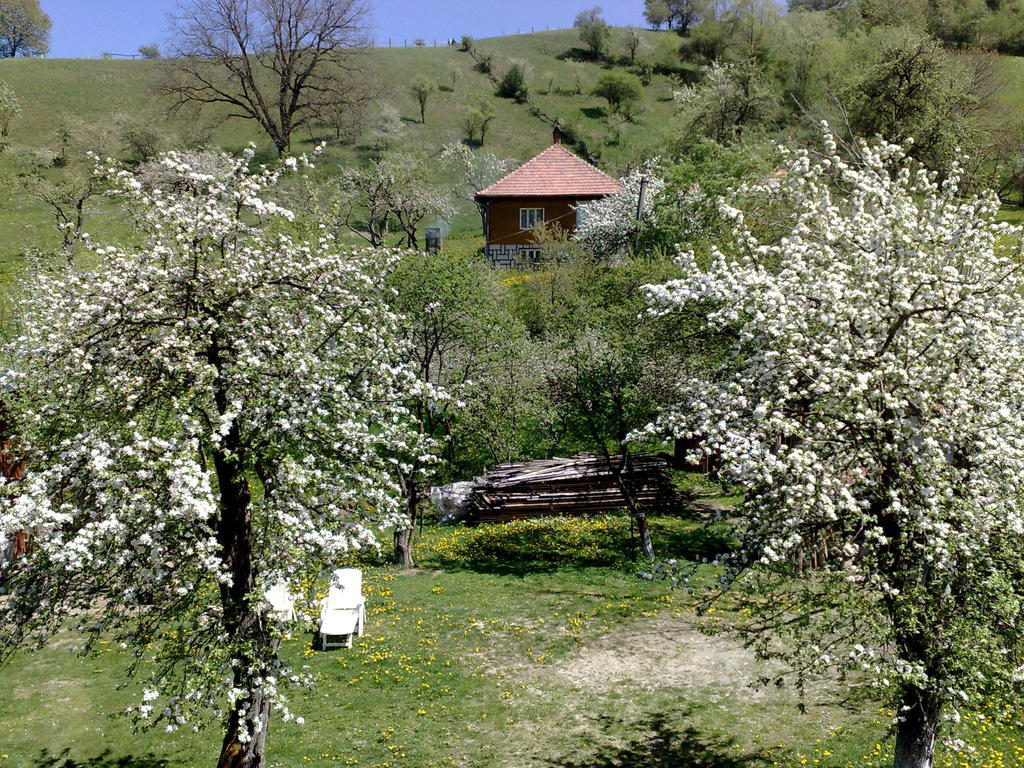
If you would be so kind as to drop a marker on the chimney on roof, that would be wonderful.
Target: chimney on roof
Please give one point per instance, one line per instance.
(556, 134)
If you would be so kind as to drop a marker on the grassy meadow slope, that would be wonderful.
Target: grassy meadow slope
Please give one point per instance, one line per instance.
(94, 97)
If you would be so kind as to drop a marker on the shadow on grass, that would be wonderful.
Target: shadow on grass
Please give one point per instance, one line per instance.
(104, 760)
(703, 543)
(662, 744)
(534, 551)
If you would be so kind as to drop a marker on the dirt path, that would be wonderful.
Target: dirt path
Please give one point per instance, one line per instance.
(665, 652)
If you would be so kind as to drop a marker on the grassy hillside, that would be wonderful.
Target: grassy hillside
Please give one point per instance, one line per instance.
(95, 97)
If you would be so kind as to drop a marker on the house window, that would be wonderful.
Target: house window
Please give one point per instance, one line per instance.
(529, 218)
(528, 255)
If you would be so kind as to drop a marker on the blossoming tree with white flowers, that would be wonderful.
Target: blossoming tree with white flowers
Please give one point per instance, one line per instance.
(613, 224)
(874, 410)
(204, 416)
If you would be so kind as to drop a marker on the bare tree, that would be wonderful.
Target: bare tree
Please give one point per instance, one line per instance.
(278, 62)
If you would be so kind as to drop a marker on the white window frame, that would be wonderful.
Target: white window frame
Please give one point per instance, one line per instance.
(529, 218)
(528, 255)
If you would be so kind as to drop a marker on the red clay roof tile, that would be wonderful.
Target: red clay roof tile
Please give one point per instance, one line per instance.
(555, 172)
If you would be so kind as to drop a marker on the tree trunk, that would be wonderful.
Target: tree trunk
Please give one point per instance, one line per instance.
(403, 547)
(920, 714)
(246, 734)
(646, 543)
(482, 210)
(245, 746)
(255, 649)
(403, 536)
(620, 474)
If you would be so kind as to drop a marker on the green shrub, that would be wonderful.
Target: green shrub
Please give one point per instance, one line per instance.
(141, 142)
(513, 84)
(621, 90)
(485, 63)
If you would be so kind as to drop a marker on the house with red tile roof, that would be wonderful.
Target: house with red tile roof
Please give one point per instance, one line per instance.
(545, 189)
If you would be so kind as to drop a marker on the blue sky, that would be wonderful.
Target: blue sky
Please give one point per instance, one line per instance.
(87, 28)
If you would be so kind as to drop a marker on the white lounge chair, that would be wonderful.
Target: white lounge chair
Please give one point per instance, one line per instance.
(282, 602)
(343, 611)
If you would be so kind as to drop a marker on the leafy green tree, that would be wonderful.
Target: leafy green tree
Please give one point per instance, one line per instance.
(911, 14)
(816, 5)
(10, 108)
(24, 29)
(907, 88)
(656, 12)
(679, 15)
(622, 90)
(609, 365)
(456, 327)
(151, 51)
(809, 59)
(421, 89)
(595, 33)
(138, 136)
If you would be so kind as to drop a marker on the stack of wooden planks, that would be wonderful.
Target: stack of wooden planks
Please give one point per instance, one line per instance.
(582, 485)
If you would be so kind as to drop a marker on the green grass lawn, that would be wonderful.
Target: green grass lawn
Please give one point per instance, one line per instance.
(479, 663)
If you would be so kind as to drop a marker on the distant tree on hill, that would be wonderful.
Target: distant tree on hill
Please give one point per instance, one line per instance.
(679, 15)
(24, 29)
(454, 73)
(151, 51)
(278, 62)
(816, 5)
(595, 33)
(138, 137)
(476, 122)
(621, 90)
(421, 89)
(634, 43)
(10, 108)
(386, 127)
(656, 13)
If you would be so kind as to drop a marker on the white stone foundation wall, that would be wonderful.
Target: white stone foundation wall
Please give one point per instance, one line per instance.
(509, 256)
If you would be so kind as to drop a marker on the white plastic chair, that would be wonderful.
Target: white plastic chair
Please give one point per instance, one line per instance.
(282, 602)
(343, 611)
